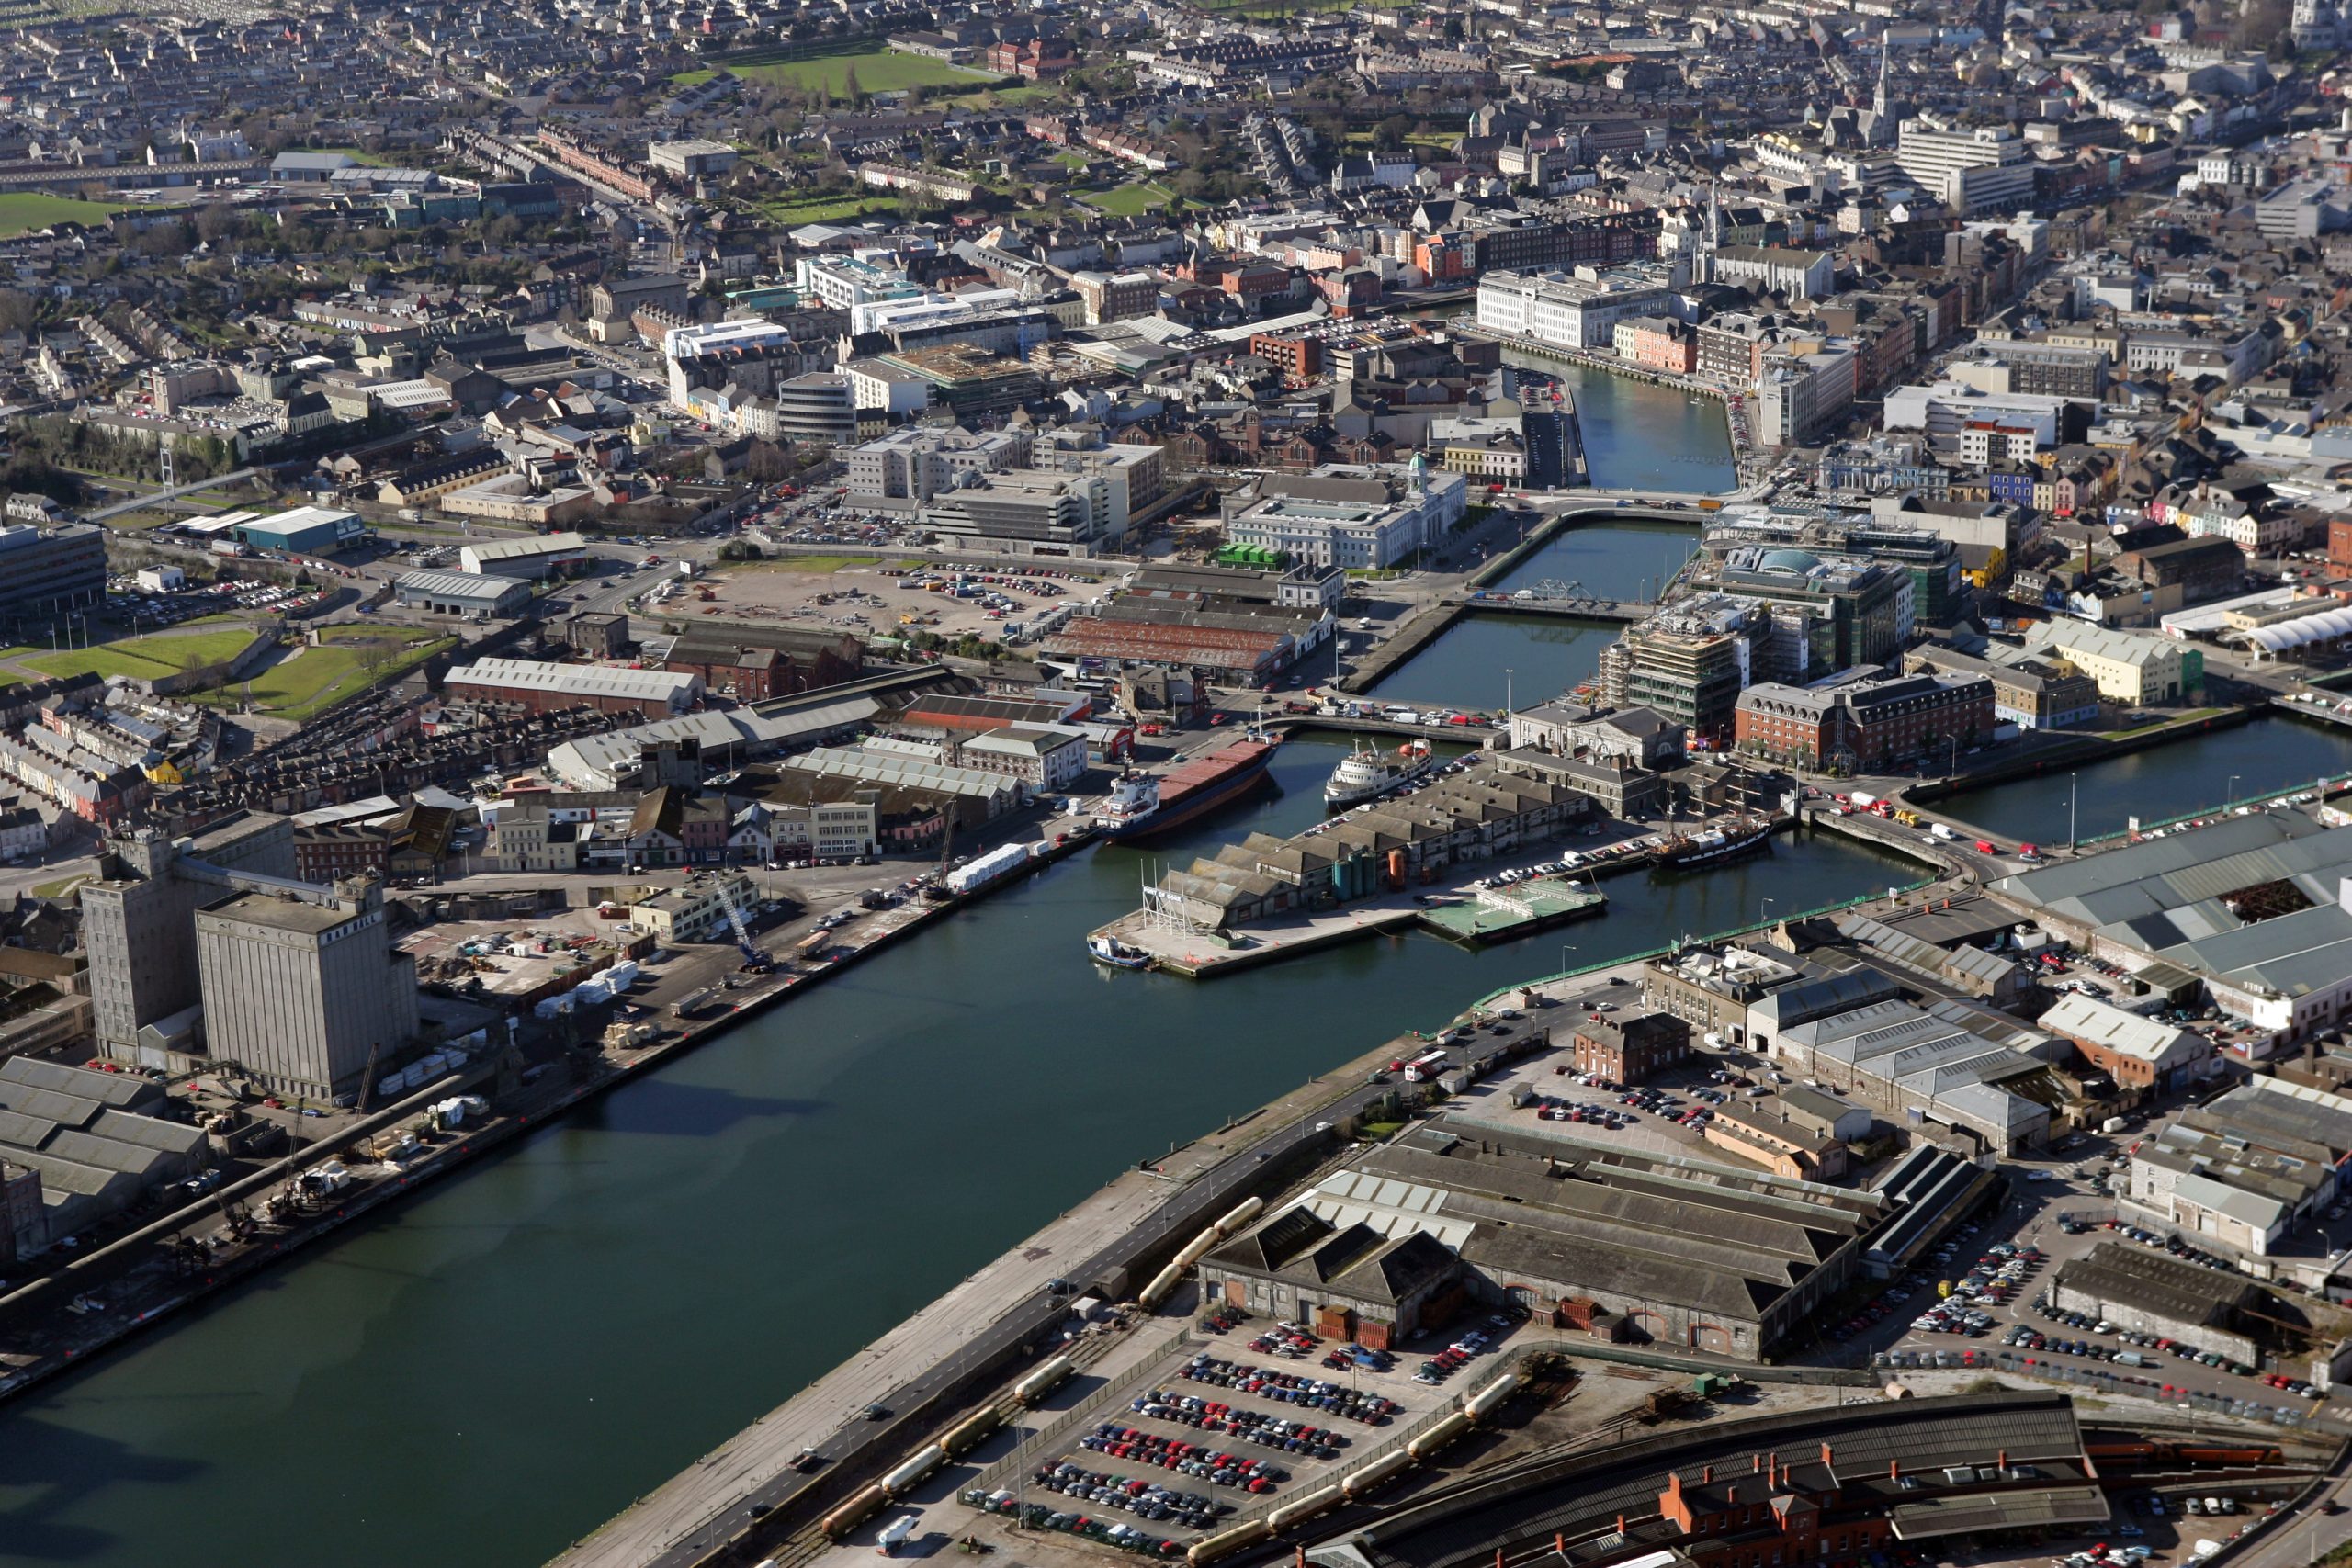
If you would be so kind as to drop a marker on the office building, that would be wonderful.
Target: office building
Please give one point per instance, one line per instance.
(1830, 611)
(1689, 663)
(1970, 170)
(45, 571)
(300, 990)
(1576, 310)
(1866, 721)
(1349, 515)
(818, 406)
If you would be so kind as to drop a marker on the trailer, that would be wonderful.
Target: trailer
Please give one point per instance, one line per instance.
(695, 1001)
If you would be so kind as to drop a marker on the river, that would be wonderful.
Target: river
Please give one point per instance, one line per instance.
(1638, 437)
(2156, 784)
(1482, 659)
(494, 1368)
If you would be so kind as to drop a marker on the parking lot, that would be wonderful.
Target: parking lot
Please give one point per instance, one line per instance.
(1243, 1413)
(1996, 1316)
(878, 599)
(1665, 1115)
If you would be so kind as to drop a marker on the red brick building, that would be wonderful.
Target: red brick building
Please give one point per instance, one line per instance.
(1867, 722)
(1631, 1050)
(340, 848)
(754, 663)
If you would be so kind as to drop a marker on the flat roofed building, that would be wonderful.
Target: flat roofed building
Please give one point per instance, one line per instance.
(306, 530)
(299, 992)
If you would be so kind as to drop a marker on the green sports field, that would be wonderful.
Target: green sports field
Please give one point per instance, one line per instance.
(878, 71)
(21, 212)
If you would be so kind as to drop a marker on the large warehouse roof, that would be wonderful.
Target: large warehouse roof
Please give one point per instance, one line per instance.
(579, 680)
(2325, 625)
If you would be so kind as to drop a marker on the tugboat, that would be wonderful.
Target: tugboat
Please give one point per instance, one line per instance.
(1116, 954)
(1366, 775)
(1740, 836)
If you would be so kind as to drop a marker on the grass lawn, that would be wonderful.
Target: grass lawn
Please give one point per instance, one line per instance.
(21, 212)
(59, 889)
(138, 522)
(145, 658)
(1132, 201)
(378, 160)
(312, 679)
(826, 209)
(878, 71)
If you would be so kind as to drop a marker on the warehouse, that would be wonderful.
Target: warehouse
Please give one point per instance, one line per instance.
(2250, 906)
(2144, 1289)
(461, 593)
(95, 1140)
(305, 531)
(545, 688)
(545, 555)
(1672, 1252)
(1238, 649)
(1976, 1073)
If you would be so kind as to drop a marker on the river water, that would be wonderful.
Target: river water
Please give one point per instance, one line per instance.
(498, 1366)
(2157, 785)
(1638, 437)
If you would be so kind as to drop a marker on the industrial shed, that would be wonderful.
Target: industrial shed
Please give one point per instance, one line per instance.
(461, 593)
(92, 1138)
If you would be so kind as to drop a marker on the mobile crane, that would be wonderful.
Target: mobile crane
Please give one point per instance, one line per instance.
(754, 961)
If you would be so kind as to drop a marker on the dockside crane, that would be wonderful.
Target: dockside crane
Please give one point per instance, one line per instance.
(754, 959)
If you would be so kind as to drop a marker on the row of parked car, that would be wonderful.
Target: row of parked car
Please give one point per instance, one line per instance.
(1250, 1426)
(1173, 1453)
(1290, 1388)
(1107, 1532)
(1453, 1357)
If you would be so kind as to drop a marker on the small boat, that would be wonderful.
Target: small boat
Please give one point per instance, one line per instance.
(1116, 954)
(1740, 837)
(1366, 775)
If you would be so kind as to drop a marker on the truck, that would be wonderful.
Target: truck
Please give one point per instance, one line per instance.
(1862, 800)
(1988, 847)
(231, 548)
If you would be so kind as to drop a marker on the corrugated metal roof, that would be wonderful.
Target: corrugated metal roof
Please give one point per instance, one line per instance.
(460, 585)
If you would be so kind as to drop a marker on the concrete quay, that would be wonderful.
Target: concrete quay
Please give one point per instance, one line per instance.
(744, 1499)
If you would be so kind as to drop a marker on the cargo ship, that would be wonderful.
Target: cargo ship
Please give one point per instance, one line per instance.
(1740, 837)
(1140, 807)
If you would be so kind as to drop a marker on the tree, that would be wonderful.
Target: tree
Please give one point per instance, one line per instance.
(850, 88)
(766, 463)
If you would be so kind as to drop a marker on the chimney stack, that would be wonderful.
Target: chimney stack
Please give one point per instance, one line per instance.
(1825, 1455)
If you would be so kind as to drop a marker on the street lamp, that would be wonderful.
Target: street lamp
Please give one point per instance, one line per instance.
(1565, 948)
(1763, 913)
(1507, 708)
(2230, 794)
(2072, 838)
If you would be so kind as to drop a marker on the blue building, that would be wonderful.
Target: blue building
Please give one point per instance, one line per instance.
(306, 530)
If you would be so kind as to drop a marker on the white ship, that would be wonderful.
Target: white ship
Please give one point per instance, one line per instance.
(1366, 775)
